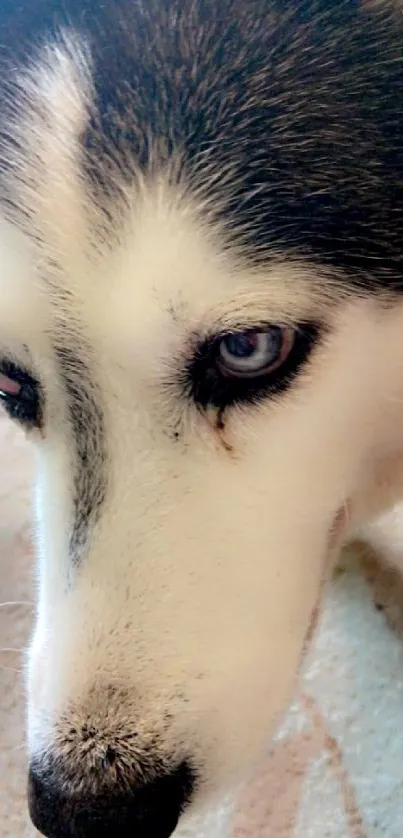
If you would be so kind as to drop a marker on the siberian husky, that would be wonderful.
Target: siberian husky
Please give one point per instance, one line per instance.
(201, 329)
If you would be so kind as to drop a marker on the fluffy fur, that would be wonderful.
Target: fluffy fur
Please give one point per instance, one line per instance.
(170, 171)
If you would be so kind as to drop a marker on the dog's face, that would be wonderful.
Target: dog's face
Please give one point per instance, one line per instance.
(194, 453)
(202, 417)
(183, 539)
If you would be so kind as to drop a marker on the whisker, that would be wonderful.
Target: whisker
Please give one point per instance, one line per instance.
(16, 602)
(11, 669)
(15, 748)
(10, 649)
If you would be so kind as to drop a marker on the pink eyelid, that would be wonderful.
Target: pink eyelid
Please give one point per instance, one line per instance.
(9, 386)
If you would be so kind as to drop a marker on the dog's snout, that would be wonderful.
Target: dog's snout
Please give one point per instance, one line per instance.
(149, 810)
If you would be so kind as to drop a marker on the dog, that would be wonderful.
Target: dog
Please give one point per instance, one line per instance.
(201, 330)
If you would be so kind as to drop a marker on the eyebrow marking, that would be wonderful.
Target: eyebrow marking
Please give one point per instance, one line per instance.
(87, 423)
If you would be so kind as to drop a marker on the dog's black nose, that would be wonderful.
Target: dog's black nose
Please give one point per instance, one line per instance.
(151, 810)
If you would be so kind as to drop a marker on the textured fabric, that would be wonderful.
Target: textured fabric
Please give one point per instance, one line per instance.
(336, 767)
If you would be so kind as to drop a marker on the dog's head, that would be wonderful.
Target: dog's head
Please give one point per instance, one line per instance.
(201, 331)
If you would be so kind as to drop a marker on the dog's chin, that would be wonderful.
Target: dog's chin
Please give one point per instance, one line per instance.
(212, 822)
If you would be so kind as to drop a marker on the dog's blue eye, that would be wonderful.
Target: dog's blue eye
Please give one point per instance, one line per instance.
(253, 353)
(245, 366)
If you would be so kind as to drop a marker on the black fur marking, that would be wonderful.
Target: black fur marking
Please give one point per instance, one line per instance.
(87, 422)
(287, 116)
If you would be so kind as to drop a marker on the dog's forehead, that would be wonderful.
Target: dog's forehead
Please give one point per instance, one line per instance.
(168, 280)
(169, 150)
(280, 123)
(170, 260)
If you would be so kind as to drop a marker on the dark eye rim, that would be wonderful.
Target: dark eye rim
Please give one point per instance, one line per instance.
(25, 407)
(209, 387)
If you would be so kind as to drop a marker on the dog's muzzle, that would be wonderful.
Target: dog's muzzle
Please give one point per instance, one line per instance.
(151, 810)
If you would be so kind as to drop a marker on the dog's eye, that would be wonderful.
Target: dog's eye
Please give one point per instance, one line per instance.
(253, 353)
(19, 393)
(245, 366)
